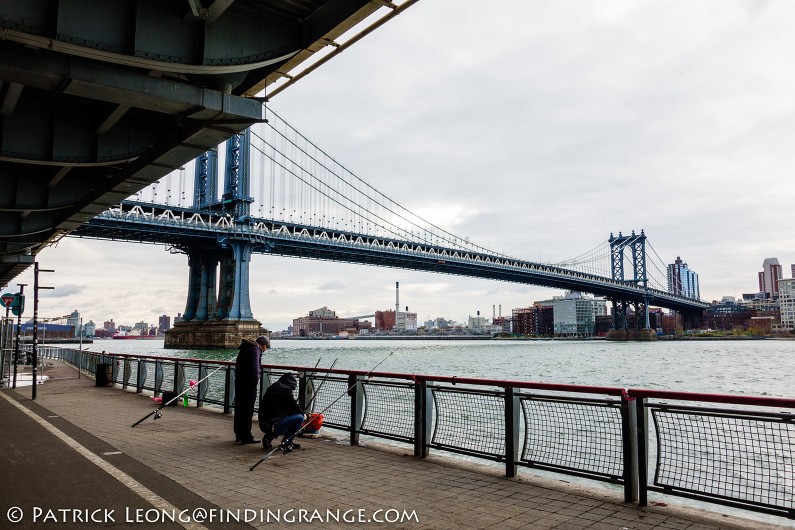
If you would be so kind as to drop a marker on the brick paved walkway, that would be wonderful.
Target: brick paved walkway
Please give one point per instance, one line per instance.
(188, 458)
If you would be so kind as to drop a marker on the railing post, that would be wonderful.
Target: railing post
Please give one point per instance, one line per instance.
(642, 450)
(179, 377)
(302, 380)
(423, 414)
(229, 389)
(512, 430)
(158, 376)
(140, 376)
(629, 437)
(201, 392)
(125, 379)
(356, 393)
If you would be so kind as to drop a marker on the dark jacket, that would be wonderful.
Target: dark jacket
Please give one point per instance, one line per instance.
(278, 400)
(247, 365)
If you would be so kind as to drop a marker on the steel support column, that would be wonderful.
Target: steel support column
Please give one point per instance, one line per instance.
(205, 191)
(240, 306)
(207, 295)
(194, 286)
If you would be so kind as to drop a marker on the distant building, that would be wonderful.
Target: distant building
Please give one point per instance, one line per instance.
(74, 320)
(142, 327)
(163, 324)
(575, 314)
(89, 329)
(786, 296)
(504, 323)
(324, 322)
(477, 323)
(727, 315)
(46, 330)
(178, 318)
(109, 325)
(769, 277)
(405, 321)
(523, 320)
(385, 320)
(682, 281)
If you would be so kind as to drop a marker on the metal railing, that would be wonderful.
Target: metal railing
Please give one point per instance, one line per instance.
(741, 455)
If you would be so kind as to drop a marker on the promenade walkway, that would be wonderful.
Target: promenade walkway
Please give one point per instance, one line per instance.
(71, 454)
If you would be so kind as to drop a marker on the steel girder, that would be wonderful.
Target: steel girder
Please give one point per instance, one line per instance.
(326, 250)
(98, 99)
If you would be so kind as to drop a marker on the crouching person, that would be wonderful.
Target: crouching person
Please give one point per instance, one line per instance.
(279, 414)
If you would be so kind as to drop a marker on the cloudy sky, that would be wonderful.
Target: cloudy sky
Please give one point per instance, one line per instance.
(536, 128)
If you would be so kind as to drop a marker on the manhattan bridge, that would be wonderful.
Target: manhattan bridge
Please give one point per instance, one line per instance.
(102, 105)
(271, 190)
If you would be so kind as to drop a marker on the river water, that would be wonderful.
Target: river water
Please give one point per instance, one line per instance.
(746, 367)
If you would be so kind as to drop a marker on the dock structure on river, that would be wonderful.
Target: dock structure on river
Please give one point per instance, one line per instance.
(73, 448)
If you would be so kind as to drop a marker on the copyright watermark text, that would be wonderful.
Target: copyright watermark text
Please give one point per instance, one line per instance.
(104, 516)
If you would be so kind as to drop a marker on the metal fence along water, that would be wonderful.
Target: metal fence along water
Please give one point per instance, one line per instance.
(675, 443)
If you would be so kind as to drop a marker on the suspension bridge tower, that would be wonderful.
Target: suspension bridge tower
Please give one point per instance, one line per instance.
(218, 310)
(635, 244)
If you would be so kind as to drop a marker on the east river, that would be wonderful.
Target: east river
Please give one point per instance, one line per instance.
(747, 367)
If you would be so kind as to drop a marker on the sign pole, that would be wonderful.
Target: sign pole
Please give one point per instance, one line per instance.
(4, 343)
(19, 328)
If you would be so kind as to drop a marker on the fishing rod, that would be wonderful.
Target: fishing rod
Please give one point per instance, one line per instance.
(285, 443)
(156, 413)
(316, 393)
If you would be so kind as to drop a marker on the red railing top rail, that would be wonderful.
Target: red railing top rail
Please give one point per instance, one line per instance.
(632, 393)
(758, 401)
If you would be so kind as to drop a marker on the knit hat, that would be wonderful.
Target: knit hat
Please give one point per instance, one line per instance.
(264, 341)
(288, 380)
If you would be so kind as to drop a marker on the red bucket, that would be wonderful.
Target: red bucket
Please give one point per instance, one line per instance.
(313, 423)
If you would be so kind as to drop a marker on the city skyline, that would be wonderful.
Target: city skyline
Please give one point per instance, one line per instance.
(587, 120)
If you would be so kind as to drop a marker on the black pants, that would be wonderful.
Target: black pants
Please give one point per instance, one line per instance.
(245, 397)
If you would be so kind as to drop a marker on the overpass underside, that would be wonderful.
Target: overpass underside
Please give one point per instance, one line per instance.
(100, 99)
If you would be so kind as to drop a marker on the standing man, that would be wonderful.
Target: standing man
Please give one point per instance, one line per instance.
(247, 376)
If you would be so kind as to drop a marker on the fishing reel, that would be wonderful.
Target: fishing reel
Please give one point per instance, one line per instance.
(158, 414)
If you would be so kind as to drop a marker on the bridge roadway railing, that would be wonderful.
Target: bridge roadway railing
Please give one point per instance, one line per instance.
(739, 455)
(261, 230)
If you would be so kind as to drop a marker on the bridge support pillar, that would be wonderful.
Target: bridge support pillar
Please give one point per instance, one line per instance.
(218, 313)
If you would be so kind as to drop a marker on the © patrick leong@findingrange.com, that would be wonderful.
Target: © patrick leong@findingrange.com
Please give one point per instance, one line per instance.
(104, 516)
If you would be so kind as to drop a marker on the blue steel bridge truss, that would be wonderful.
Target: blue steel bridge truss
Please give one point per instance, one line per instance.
(192, 231)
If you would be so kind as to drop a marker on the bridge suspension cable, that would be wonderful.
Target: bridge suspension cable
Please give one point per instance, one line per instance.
(297, 182)
(345, 200)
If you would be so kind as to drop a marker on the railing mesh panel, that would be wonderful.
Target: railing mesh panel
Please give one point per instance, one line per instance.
(340, 412)
(474, 422)
(741, 458)
(579, 436)
(389, 409)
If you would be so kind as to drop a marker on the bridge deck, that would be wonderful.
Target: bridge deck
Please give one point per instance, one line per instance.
(188, 460)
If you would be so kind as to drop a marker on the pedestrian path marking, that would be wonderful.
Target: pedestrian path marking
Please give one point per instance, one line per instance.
(145, 493)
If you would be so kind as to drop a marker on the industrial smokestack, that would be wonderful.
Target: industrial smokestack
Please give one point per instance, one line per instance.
(478, 312)
(500, 310)
(493, 311)
(397, 297)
